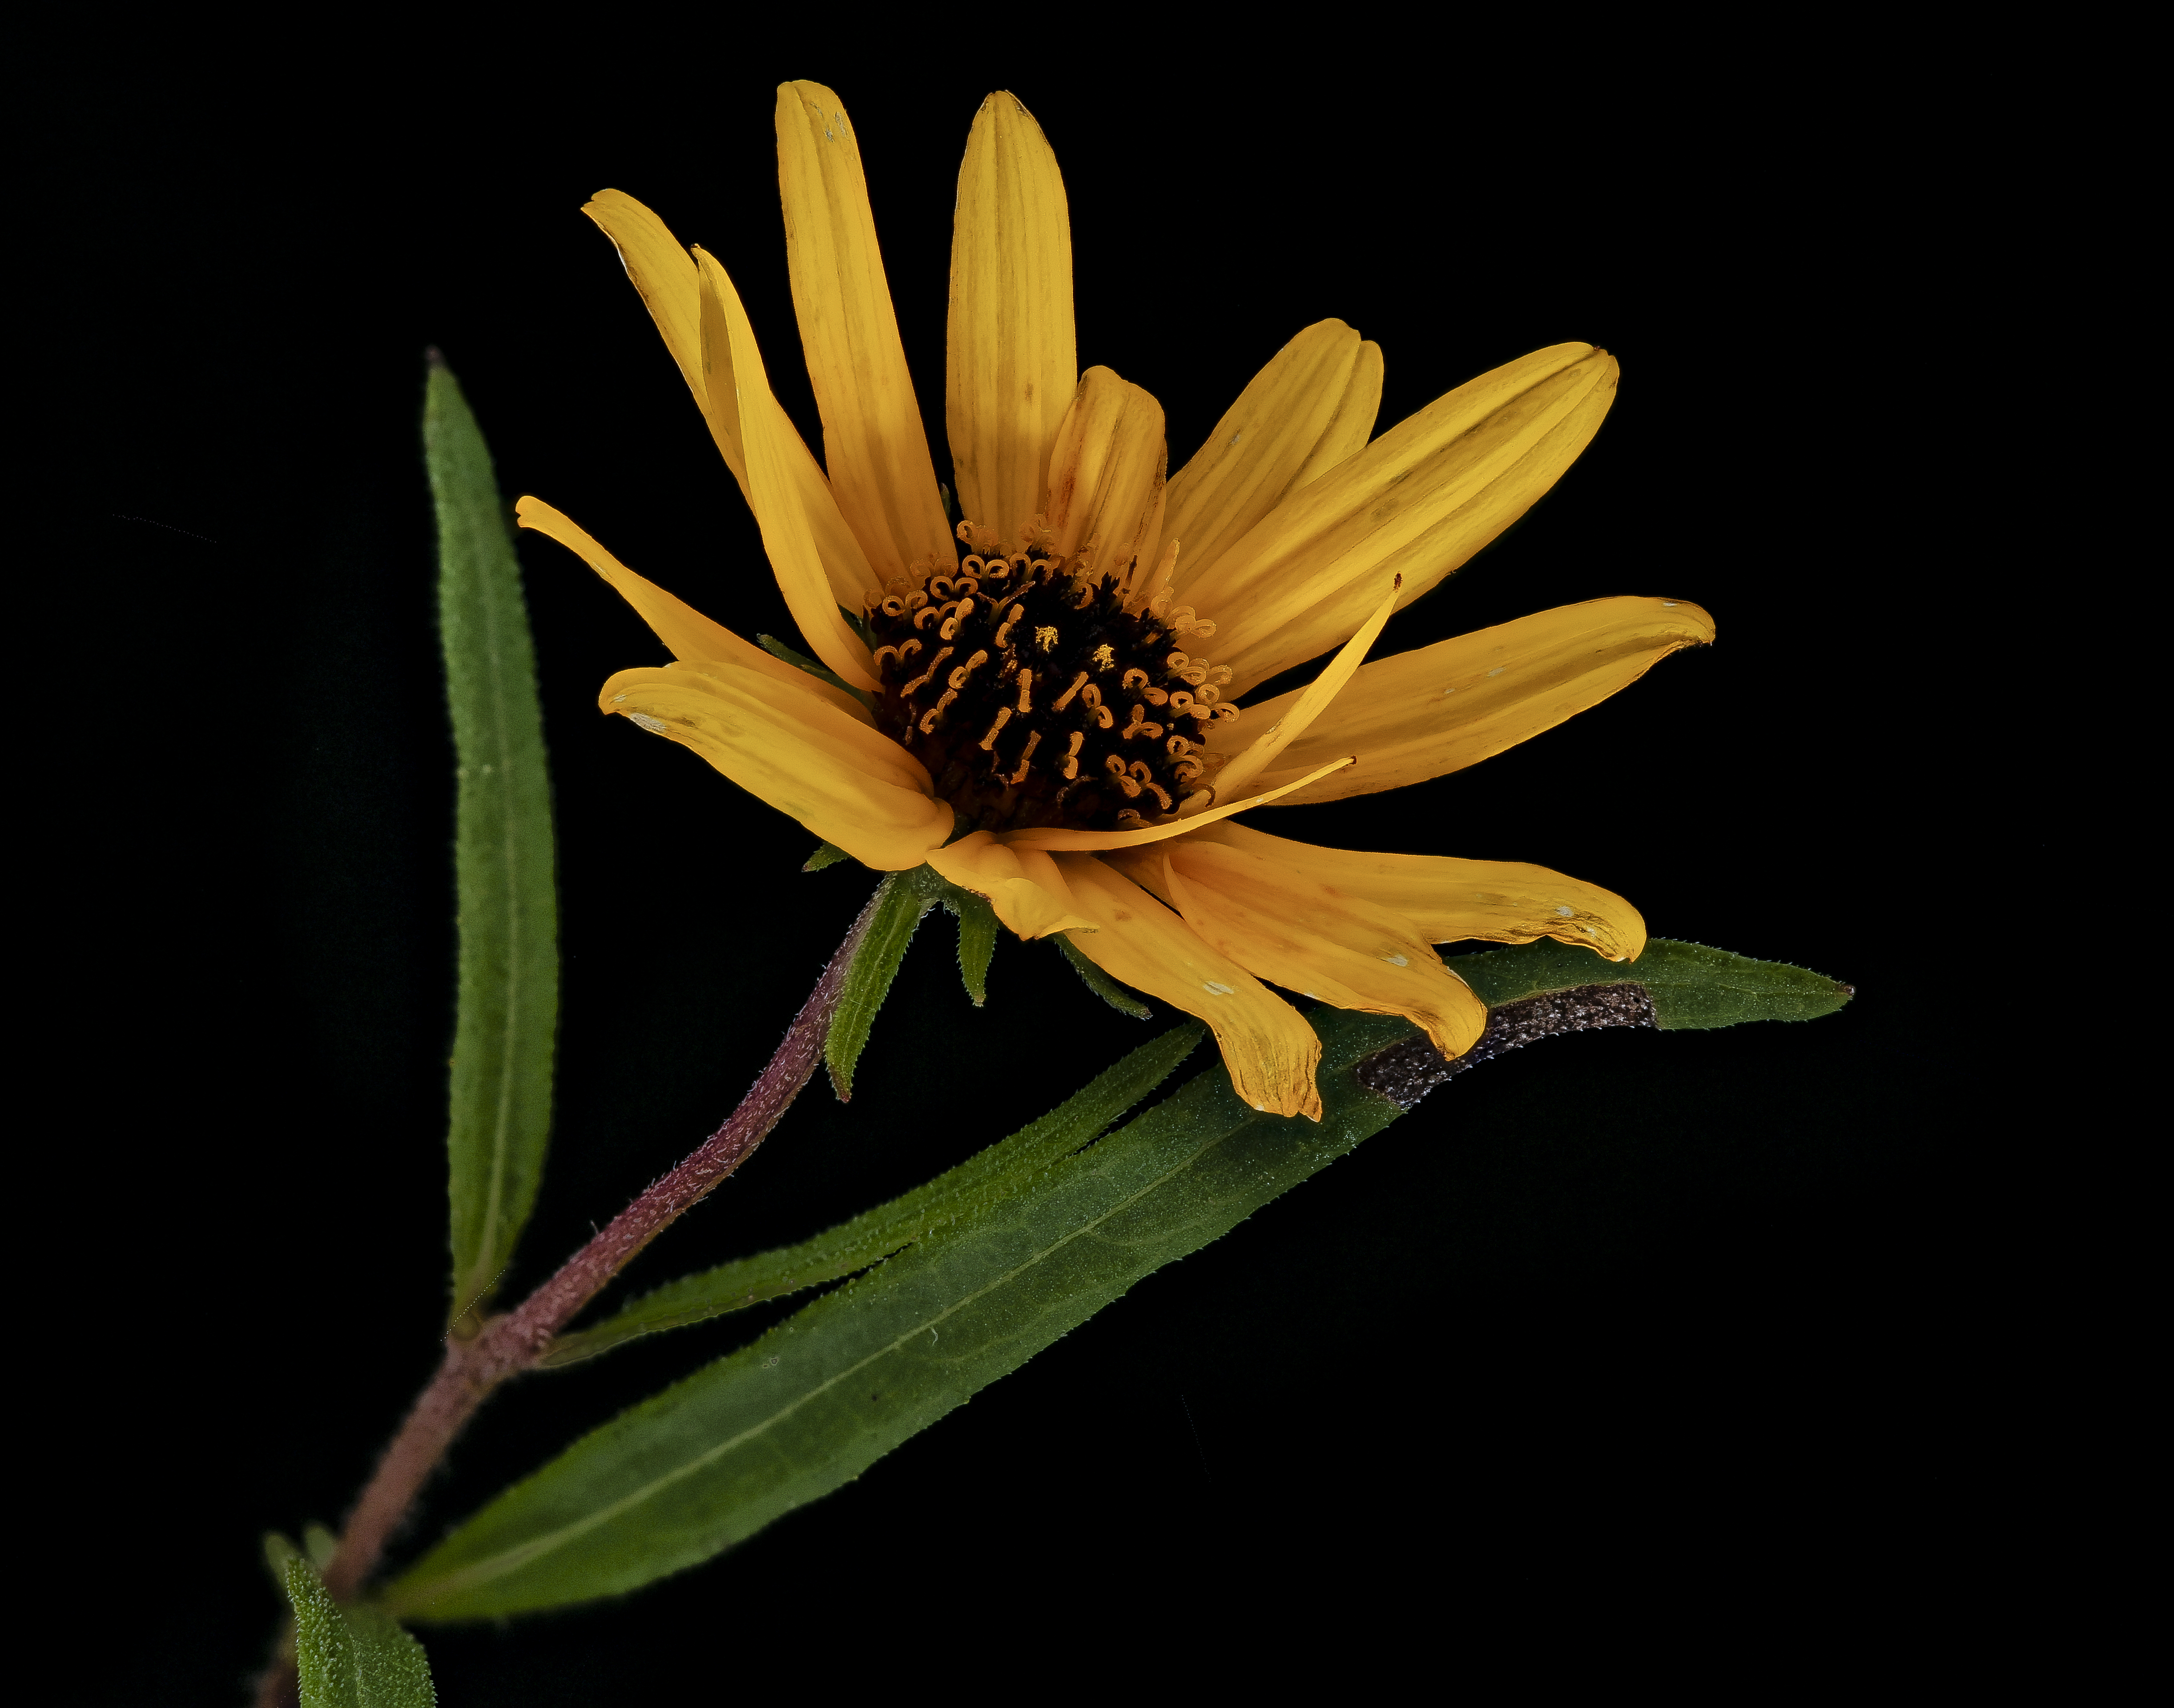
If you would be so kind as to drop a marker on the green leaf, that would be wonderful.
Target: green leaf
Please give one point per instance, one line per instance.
(1692, 986)
(1002, 1169)
(902, 902)
(800, 661)
(826, 854)
(817, 1400)
(503, 860)
(1103, 985)
(977, 939)
(351, 1657)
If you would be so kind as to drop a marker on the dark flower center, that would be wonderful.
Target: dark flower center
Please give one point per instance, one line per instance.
(1037, 693)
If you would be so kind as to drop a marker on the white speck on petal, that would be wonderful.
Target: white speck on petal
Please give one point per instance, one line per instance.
(1498, 670)
(1588, 930)
(655, 726)
(1397, 960)
(1311, 997)
(1564, 911)
(1449, 690)
(1216, 990)
(618, 698)
(1668, 604)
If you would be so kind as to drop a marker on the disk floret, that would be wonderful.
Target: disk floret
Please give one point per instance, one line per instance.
(1039, 690)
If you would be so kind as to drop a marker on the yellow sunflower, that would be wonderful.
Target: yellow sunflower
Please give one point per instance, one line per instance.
(1041, 700)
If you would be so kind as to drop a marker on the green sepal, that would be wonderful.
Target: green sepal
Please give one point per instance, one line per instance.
(800, 661)
(1103, 985)
(826, 854)
(902, 902)
(350, 1657)
(977, 939)
(1005, 1168)
(504, 865)
(1692, 987)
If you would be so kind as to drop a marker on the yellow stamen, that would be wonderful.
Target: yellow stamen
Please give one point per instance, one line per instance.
(935, 664)
(1033, 741)
(928, 718)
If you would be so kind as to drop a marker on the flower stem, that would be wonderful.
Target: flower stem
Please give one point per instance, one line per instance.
(509, 1344)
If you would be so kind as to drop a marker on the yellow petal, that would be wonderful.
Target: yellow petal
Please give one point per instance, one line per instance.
(873, 444)
(980, 863)
(686, 633)
(818, 562)
(665, 275)
(1305, 709)
(1012, 364)
(1311, 408)
(796, 751)
(1293, 930)
(1440, 708)
(1269, 1049)
(662, 271)
(1053, 837)
(1106, 470)
(1449, 900)
(1418, 501)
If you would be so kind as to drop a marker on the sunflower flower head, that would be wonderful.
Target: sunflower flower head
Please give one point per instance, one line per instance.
(1039, 697)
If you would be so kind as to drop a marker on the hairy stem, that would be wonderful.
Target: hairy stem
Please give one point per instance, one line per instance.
(509, 1344)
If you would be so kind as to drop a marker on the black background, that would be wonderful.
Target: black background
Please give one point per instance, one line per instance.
(1628, 1319)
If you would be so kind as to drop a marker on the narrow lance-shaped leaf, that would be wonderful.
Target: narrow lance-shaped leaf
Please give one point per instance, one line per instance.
(817, 1400)
(814, 1401)
(350, 1657)
(1000, 1171)
(503, 858)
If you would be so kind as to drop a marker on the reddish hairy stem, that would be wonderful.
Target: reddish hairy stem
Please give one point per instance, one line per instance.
(512, 1342)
